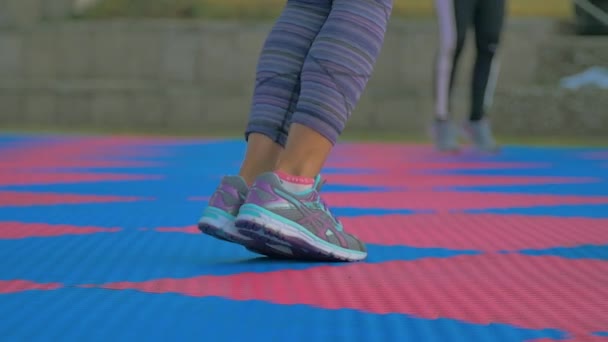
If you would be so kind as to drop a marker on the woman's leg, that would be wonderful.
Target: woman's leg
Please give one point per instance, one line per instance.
(284, 207)
(278, 83)
(334, 76)
(275, 95)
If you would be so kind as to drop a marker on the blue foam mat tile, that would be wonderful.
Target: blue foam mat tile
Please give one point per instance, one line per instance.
(583, 210)
(141, 255)
(102, 315)
(595, 252)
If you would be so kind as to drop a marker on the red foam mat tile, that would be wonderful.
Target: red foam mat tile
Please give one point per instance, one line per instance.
(17, 198)
(19, 230)
(24, 177)
(13, 286)
(483, 232)
(415, 181)
(451, 200)
(530, 292)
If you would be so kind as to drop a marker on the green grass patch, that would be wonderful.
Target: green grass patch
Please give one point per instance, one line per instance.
(269, 9)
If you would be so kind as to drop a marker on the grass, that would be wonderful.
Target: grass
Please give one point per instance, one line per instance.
(269, 9)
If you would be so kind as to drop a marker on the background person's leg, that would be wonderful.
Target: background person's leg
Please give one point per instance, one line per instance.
(334, 76)
(454, 17)
(489, 19)
(278, 83)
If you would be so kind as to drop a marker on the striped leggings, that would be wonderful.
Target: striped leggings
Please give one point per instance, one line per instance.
(315, 64)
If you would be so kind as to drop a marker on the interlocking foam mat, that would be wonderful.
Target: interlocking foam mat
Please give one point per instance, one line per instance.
(98, 243)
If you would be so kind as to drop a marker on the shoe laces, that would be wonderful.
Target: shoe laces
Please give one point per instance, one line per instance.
(324, 204)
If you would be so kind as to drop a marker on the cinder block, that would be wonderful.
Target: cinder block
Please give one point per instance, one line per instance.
(56, 9)
(585, 111)
(148, 109)
(221, 66)
(526, 111)
(185, 107)
(126, 50)
(21, 13)
(111, 54)
(39, 108)
(407, 56)
(249, 42)
(398, 115)
(73, 108)
(75, 55)
(11, 104)
(144, 52)
(11, 55)
(181, 55)
(110, 109)
(40, 53)
(226, 112)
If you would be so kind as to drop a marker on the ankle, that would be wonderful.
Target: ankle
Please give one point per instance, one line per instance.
(262, 154)
(305, 152)
(303, 171)
(250, 171)
(247, 177)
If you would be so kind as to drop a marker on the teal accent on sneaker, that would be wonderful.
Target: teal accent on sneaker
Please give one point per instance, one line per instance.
(219, 217)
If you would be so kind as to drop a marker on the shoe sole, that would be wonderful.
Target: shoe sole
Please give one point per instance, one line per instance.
(261, 224)
(217, 224)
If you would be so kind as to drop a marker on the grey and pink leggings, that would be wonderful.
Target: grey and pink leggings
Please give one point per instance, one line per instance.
(315, 65)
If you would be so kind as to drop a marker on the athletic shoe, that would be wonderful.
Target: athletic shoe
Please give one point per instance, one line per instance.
(480, 134)
(298, 224)
(219, 216)
(445, 135)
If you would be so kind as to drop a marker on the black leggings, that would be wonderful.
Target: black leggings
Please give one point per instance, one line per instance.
(455, 17)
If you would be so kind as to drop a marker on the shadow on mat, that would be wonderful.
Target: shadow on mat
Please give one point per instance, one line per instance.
(262, 260)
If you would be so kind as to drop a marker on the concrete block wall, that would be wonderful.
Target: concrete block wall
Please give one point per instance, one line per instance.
(25, 13)
(191, 76)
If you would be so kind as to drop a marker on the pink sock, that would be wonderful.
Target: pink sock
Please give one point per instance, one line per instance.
(295, 183)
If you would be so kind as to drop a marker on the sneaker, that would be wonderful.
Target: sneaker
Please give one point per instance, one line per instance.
(480, 134)
(445, 135)
(298, 224)
(219, 216)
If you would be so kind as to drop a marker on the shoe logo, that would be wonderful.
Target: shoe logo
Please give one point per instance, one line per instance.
(289, 198)
(317, 221)
(314, 218)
